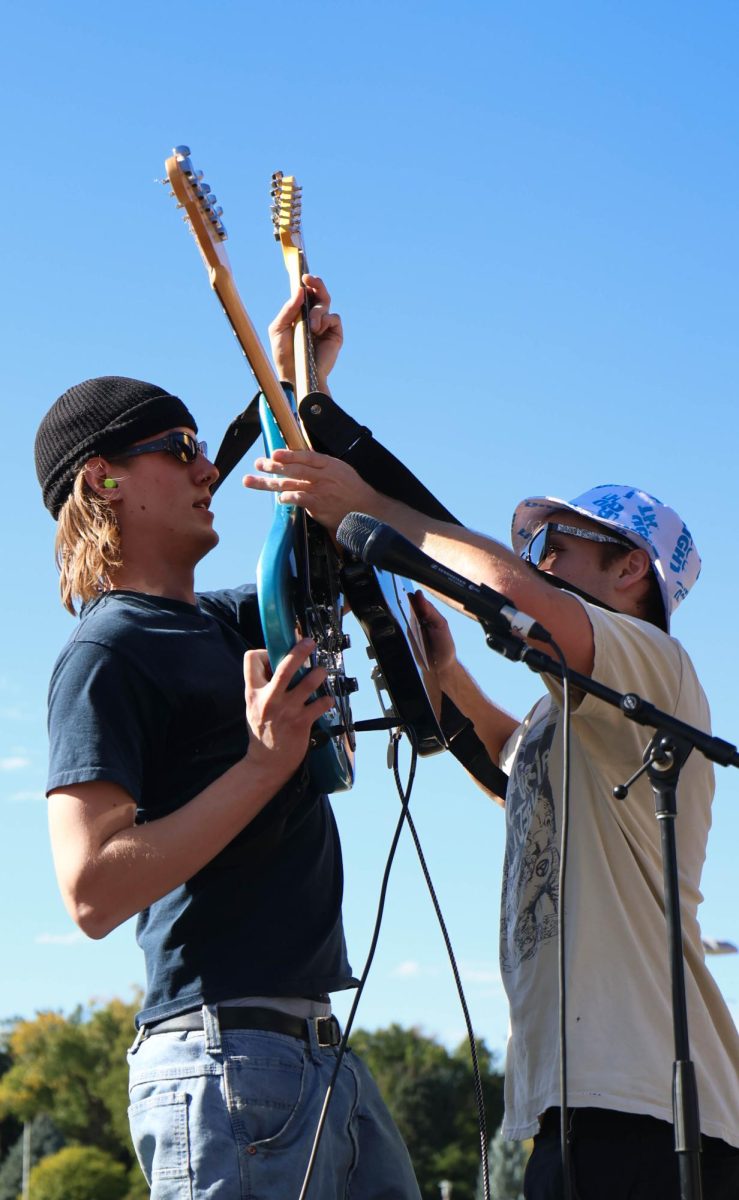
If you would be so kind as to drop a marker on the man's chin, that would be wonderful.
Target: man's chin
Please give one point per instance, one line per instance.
(209, 542)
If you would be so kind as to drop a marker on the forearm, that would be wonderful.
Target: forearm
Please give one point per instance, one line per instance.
(479, 558)
(493, 725)
(108, 873)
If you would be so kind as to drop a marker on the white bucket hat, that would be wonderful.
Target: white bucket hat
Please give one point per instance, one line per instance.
(646, 521)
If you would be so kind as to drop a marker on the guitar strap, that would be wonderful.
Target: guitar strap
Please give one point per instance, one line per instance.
(241, 434)
(331, 430)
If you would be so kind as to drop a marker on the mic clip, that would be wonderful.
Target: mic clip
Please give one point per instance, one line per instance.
(499, 638)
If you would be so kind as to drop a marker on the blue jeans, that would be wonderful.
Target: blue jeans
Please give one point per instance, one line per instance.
(231, 1115)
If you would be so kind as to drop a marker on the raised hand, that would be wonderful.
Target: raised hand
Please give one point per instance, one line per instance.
(325, 487)
(326, 328)
(440, 648)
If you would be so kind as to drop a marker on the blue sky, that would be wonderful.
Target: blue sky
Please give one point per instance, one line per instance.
(527, 217)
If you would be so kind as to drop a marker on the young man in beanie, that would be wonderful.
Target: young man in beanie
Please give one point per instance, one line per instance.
(178, 791)
(621, 562)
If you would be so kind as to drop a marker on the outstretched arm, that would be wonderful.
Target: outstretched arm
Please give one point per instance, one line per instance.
(328, 489)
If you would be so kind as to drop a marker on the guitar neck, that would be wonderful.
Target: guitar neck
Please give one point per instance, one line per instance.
(247, 337)
(306, 380)
(286, 196)
(204, 219)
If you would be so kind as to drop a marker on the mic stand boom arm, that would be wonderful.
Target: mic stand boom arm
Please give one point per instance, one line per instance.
(664, 757)
(499, 638)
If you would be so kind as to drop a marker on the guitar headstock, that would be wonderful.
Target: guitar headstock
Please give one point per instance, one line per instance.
(287, 203)
(202, 212)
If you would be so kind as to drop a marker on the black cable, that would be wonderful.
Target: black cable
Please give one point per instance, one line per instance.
(561, 970)
(404, 799)
(477, 1081)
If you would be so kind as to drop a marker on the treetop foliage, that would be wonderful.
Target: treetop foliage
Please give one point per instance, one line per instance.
(73, 1070)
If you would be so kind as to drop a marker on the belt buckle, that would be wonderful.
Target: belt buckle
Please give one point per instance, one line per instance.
(332, 1031)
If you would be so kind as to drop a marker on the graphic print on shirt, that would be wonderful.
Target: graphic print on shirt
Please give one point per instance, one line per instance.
(530, 900)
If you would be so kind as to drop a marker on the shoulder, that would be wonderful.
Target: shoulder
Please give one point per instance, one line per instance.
(632, 655)
(238, 607)
(120, 633)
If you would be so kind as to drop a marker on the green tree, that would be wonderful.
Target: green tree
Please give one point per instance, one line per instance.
(138, 1189)
(10, 1127)
(45, 1139)
(506, 1164)
(430, 1093)
(73, 1069)
(79, 1173)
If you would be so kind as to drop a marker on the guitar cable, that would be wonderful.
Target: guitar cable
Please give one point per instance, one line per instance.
(405, 795)
(564, 1132)
(405, 816)
(476, 1077)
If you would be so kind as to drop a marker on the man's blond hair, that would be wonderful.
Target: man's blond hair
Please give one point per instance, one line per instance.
(87, 546)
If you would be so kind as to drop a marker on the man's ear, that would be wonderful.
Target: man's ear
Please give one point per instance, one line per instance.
(100, 479)
(632, 569)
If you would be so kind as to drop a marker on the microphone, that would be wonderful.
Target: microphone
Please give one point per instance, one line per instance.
(382, 546)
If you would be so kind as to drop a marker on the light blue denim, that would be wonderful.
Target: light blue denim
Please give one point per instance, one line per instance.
(232, 1115)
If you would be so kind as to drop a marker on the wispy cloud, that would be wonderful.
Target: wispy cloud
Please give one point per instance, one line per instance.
(27, 797)
(14, 762)
(407, 970)
(58, 939)
(485, 973)
(480, 972)
(410, 968)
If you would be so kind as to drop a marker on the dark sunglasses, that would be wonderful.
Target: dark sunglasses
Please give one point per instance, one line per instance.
(182, 446)
(538, 549)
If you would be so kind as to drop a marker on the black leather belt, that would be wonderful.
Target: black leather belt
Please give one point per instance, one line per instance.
(270, 1020)
(604, 1124)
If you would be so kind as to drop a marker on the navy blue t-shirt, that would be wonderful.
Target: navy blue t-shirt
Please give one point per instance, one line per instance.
(149, 694)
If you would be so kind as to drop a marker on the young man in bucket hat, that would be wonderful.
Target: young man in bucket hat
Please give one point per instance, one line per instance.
(621, 562)
(178, 791)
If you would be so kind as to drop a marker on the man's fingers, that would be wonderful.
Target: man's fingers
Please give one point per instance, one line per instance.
(317, 289)
(285, 462)
(257, 670)
(295, 658)
(285, 318)
(325, 324)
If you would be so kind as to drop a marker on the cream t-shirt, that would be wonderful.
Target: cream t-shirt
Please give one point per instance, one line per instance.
(620, 1045)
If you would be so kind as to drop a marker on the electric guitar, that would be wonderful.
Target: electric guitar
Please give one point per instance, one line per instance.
(379, 600)
(298, 584)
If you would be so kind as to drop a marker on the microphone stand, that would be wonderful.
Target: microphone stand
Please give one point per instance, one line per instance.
(664, 757)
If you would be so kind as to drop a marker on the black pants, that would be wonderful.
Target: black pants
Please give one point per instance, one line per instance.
(618, 1156)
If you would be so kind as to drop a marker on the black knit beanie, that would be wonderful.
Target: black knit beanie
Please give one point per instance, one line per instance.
(99, 416)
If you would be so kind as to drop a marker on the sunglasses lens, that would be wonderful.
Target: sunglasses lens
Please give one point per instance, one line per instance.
(537, 547)
(184, 447)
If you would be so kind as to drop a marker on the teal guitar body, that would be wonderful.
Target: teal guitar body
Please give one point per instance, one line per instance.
(300, 595)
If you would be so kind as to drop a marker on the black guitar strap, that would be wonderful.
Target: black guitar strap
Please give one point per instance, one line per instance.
(467, 748)
(333, 431)
(241, 434)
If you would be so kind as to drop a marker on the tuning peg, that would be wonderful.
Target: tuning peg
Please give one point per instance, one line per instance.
(181, 151)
